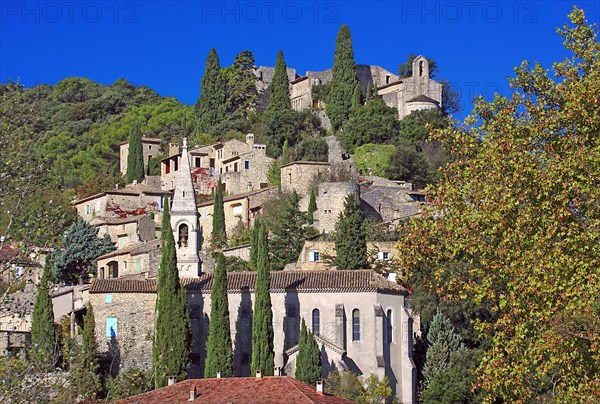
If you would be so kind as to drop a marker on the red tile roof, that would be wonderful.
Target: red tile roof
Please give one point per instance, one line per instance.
(267, 389)
(281, 281)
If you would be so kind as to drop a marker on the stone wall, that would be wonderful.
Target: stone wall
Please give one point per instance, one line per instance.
(134, 313)
(301, 176)
(387, 203)
(330, 203)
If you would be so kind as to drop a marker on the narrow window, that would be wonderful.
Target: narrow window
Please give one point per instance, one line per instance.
(316, 322)
(112, 328)
(356, 325)
(246, 164)
(389, 326)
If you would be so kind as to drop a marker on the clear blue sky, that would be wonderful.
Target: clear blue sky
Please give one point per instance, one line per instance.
(164, 45)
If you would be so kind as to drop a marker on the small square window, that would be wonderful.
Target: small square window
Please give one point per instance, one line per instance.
(108, 299)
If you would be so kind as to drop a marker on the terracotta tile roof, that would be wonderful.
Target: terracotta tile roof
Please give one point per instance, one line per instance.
(266, 389)
(281, 281)
(8, 253)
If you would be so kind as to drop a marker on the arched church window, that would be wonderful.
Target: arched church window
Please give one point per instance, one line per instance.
(355, 325)
(421, 68)
(183, 235)
(316, 322)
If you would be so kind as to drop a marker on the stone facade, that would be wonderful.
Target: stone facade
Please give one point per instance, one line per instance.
(132, 200)
(317, 255)
(127, 230)
(387, 201)
(242, 167)
(359, 318)
(240, 210)
(301, 176)
(142, 259)
(150, 148)
(330, 198)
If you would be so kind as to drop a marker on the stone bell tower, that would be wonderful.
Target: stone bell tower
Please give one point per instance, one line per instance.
(184, 219)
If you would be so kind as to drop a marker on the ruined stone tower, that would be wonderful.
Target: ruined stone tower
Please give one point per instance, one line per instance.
(184, 219)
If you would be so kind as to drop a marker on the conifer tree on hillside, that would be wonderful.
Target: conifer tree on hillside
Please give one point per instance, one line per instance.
(242, 96)
(263, 357)
(135, 158)
(350, 237)
(43, 335)
(171, 348)
(210, 108)
(219, 354)
(84, 376)
(218, 234)
(343, 81)
(312, 207)
(308, 361)
(279, 89)
(288, 232)
(356, 101)
(285, 153)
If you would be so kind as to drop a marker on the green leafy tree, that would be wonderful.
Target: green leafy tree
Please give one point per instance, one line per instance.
(135, 158)
(312, 148)
(343, 81)
(171, 348)
(350, 239)
(407, 164)
(130, 382)
(81, 247)
(308, 361)
(279, 89)
(345, 384)
(219, 354)
(376, 391)
(85, 377)
(518, 205)
(374, 159)
(263, 357)
(218, 234)
(210, 108)
(417, 126)
(373, 122)
(312, 207)
(288, 231)
(43, 336)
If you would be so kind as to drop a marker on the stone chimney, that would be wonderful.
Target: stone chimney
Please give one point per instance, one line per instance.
(218, 374)
(250, 139)
(192, 394)
(320, 387)
(259, 374)
(172, 380)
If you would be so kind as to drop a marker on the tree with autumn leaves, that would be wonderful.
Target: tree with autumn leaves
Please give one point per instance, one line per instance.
(514, 224)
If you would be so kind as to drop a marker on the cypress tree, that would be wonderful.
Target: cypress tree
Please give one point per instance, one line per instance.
(85, 366)
(42, 320)
(135, 158)
(242, 96)
(343, 80)
(350, 237)
(263, 357)
(308, 361)
(170, 351)
(288, 232)
(312, 207)
(219, 354)
(210, 108)
(356, 101)
(218, 234)
(285, 154)
(279, 89)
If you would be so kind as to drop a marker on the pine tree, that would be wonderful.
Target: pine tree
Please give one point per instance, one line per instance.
(350, 237)
(312, 207)
(135, 158)
(170, 350)
(288, 232)
(279, 89)
(343, 81)
(263, 357)
(308, 361)
(443, 341)
(85, 367)
(219, 354)
(218, 234)
(210, 108)
(43, 334)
